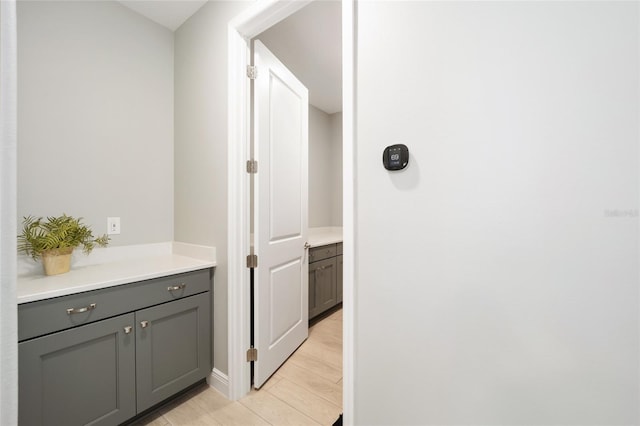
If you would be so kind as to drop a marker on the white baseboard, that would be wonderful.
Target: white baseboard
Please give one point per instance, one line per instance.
(219, 381)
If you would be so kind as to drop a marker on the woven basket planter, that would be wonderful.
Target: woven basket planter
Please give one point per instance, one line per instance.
(57, 261)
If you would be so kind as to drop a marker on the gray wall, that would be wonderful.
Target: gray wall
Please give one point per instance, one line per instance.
(201, 146)
(95, 117)
(325, 168)
(497, 276)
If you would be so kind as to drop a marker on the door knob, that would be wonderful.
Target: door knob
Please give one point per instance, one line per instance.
(128, 329)
(144, 324)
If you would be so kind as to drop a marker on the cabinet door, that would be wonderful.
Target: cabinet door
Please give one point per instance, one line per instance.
(173, 348)
(85, 375)
(339, 278)
(313, 305)
(325, 285)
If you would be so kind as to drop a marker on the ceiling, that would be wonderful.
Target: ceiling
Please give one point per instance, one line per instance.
(309, 42)
(168, 13)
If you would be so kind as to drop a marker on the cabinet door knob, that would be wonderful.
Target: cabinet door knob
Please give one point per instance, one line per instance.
(144, 324)
(128, 329)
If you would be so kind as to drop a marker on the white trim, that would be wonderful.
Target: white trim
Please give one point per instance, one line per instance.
(8, 219)
(241, 29)
(247, 25)
(349, 177)
(219, 381)
(238, 216)
(265, 14)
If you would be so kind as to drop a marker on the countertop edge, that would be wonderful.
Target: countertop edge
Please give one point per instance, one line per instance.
(96, 277)
(324, 242)
(324, 235)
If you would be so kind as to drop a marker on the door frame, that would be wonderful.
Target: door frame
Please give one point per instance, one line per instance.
(256, 19)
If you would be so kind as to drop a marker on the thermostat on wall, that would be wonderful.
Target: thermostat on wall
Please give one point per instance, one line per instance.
(395, 157)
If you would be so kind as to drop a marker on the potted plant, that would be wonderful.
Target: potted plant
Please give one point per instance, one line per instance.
(55, 239)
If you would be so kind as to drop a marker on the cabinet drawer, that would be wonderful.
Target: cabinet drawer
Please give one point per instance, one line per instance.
(322, 252)
(47, 316)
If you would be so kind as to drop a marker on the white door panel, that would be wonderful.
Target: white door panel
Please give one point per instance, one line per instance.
(285, 295)
(281, 109)
(285, 123)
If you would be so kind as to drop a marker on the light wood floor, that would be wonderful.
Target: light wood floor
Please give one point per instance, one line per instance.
(306, 390)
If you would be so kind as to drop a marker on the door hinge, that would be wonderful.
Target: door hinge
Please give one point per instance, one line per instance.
(252, 355)
(252, 166)
(252, 261)
(252, 72)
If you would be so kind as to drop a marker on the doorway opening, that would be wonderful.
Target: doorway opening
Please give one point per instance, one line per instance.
(297, 193)
(243, 29)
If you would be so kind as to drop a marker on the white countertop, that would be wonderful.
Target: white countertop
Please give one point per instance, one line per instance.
(85, 277)
(325, 235)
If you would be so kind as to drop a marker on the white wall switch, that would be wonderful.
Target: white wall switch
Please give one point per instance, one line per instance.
(113, 225)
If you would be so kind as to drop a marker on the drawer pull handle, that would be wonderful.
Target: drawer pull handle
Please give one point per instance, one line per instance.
(144, 324)
(128, 329)
(71, 311)
(176, 287)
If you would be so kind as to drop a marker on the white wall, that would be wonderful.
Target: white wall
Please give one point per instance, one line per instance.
(95, 108)
(497, 276)
(201, 146)
(335, 123)
(325, 168)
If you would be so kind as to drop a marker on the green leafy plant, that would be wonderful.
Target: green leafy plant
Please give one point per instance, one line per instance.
(63, 232)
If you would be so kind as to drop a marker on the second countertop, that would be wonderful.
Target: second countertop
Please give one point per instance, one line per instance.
(321, 236)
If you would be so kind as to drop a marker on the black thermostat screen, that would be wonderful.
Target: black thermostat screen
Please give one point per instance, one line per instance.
(395, 157)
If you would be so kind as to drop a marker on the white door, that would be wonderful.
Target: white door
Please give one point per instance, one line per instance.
(281, 135)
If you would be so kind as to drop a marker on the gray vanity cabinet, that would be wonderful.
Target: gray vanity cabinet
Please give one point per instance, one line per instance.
(172, 348)
(85, 375)
(322, 286)
(104, 356)
(325, 278)
(339, 280)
